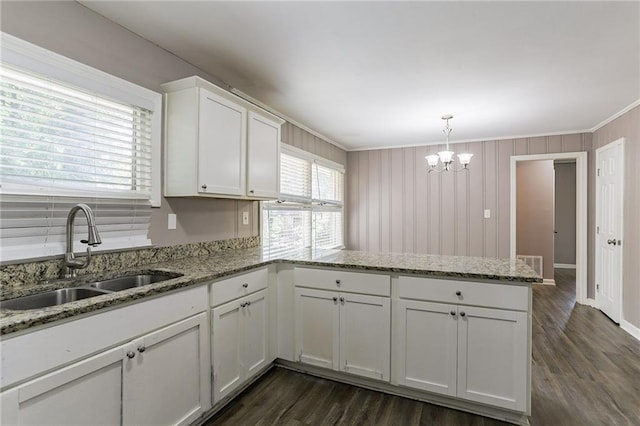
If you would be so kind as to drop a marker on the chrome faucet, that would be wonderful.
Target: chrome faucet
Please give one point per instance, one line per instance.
(93, 239)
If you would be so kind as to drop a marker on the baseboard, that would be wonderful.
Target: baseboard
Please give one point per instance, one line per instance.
(590, 302)
(564, 266)
(630, 328)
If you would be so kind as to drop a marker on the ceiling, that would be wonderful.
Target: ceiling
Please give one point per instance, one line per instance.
(381, 74)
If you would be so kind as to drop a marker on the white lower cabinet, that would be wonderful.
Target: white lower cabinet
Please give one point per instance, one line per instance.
(159, 378)
(475, 353)
(343, 331)
(240, 342)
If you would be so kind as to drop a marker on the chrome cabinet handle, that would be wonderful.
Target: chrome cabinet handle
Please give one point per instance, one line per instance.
(242, 305)
(204, 187)
(458, 293)
(335, 299)
(462, 314)
(342, 299)
(338, 282)
(131, 354)
(248, 303)
(142, 348)
(245, 285)
(453, 313)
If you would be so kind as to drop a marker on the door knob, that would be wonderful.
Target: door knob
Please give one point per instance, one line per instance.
(612, 242)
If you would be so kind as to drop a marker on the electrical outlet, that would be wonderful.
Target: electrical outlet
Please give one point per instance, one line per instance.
(245, 218)
(172, 220)
(487, 213)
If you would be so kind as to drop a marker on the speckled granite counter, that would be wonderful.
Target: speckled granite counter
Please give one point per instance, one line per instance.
(197, 270)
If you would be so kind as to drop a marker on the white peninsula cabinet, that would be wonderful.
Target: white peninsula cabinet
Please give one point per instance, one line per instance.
(464, 339)
(240, 330)
(158, 377)
(343, 320)
(217, 144)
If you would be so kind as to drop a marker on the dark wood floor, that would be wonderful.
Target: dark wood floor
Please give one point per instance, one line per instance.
(585, 371)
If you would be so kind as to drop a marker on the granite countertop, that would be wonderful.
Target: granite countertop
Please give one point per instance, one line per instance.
(198, 270)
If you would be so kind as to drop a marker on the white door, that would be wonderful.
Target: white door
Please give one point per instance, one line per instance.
(167, 379)
(426, 353)
(256, 332)
(317, 328)
(86, 393)
(492, 357)
(609, 217)
(221, 145)
(263, 165)
(365, 348)
(227, 348)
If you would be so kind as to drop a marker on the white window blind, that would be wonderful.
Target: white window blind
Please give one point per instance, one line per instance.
(309, 211)
(63, 144)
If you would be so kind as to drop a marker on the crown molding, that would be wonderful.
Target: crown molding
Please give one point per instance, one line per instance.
(614, 116)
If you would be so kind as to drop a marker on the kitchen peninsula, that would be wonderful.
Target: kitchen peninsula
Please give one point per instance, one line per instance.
(451, 330)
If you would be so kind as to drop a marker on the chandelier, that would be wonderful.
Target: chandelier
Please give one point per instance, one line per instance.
(446, 156)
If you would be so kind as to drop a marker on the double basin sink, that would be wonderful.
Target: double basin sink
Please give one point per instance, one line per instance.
(72, 294)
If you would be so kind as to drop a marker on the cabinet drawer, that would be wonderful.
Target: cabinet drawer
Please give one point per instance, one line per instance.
(355, 282)
(503, 296)
(241, 285)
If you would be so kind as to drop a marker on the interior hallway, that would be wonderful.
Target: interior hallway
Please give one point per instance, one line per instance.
(585, 371)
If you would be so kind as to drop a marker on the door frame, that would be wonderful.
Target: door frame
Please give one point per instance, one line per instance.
(621, 143)
(581, 212)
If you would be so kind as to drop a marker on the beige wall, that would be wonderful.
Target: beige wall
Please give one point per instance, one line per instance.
(534, 211)
(628, 127)
(565, 214)
(72, 30)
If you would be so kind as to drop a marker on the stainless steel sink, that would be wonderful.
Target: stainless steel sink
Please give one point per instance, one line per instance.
(50, 298)
(130, 281)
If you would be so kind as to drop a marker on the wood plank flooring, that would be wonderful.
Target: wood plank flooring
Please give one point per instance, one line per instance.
(585, 371)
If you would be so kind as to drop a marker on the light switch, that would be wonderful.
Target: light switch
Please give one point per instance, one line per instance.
(487, 213)
(172, 219)
(245, 218)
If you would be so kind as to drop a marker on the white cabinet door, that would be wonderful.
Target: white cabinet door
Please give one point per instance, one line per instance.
(256, 332)
(317, 327)
(365, 335)
(263, 156)
(167, 379)
(221, 145)
(84, 393)
(426, 353)
(227, 347)
(492, 357)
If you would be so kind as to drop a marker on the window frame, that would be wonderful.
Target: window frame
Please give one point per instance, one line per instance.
(32, 58)
(313, 159)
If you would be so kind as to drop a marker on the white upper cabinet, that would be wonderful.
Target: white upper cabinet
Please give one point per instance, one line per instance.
(217, 144)
(263, 152)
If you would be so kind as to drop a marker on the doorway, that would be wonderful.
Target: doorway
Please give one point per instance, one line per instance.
(580, 159)
(609, 228)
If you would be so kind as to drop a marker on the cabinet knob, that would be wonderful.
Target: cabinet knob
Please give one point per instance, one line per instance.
(204, 187)
(458, 293)
(462, 314)
(453, 313)
(342, 299)
(242, 305)
(335, 299)
(338, 282)
(142, 348)
(251, 191)
(249, 303)
(245, 285)
(131, 354)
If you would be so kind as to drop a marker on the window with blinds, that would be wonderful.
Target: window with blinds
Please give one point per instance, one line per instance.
(309, 210)
(63, 144)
